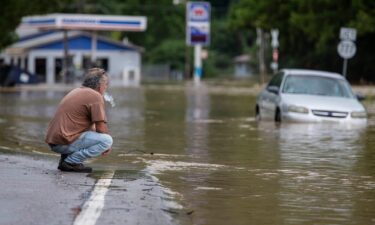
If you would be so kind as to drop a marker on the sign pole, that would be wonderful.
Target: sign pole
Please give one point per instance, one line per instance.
(345, 65)
(346, 48)
(197, 33)
(197, 64)
(66, 58)
(94, 38)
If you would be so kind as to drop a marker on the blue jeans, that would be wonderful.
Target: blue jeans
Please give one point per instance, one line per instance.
(89, 144)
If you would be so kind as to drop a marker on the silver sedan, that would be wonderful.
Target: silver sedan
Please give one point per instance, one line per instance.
(309, 96)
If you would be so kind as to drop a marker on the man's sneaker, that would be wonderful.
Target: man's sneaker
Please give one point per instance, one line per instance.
(62, 158)
(69, 167)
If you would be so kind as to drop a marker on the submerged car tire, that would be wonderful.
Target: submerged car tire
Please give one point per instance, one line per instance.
(278, 115)
(257, 114)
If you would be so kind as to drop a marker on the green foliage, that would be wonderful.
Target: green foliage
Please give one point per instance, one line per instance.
(225, 45)
(224, 39)
(164, 21)
(309, 30)
(12, 11)
(217, 65)
(170, 51)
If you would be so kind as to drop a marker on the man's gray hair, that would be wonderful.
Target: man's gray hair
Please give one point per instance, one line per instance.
(93, 78)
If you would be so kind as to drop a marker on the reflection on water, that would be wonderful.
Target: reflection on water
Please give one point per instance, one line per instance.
(197, 112)
(317, 172)
(216, 160)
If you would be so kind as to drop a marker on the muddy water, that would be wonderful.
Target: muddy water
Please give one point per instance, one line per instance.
(216, 163)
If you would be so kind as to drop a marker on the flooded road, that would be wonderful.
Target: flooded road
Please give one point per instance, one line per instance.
(214, 162)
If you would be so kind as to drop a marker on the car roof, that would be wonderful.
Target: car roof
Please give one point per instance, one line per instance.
(312, 72)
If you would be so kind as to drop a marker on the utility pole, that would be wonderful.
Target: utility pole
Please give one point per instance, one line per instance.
(66, 58)
(262, 64)
(187, 62)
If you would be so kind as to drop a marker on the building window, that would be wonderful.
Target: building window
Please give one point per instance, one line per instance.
(100, 62)
(26, 63)
(58, 69)
(40, 69)
(131, 75)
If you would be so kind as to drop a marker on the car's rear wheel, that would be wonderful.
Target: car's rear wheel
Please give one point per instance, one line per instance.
(278, 115)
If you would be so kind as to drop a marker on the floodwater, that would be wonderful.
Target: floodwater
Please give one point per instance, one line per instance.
(213, 159)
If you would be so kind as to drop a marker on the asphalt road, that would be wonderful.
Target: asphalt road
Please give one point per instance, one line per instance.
(33, 191)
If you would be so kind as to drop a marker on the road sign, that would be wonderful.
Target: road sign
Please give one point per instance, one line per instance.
(274, 66)
(275, 55)
(197, 32)
(275, 35)
(348, 34)
(198, 23)
(346, 49)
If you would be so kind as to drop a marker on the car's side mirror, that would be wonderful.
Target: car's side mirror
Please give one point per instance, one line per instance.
(360, 97)
(273, 89)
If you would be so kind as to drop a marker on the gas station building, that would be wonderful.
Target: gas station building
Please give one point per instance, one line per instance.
(45, 41)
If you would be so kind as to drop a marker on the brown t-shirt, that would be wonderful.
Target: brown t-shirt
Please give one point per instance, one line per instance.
(76, 113)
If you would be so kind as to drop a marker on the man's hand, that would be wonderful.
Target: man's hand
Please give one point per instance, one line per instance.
(107, 152)
(101, 127)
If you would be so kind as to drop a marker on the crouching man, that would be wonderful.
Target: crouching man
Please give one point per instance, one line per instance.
(78, 130)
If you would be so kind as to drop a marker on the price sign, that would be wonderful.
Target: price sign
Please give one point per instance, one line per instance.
(198, 23)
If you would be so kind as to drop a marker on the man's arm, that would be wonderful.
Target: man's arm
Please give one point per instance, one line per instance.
(101, 127)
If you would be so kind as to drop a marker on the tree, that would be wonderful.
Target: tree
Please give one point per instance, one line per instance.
(170, 51)
(12, 11)
(309, 30)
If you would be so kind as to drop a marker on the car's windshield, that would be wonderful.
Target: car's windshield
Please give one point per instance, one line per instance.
(317, 85)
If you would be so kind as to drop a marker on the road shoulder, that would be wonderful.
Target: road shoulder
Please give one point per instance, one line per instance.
(35, 192)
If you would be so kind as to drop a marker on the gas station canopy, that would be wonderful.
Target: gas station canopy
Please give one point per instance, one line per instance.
(85, 22)
(80, 22)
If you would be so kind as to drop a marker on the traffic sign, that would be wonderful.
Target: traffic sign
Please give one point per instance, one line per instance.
(348, 34)
(346, 49)
(275, 55)
(275, 35)
(274, 66)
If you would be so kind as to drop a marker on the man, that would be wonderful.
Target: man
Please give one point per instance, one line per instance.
(78, 130)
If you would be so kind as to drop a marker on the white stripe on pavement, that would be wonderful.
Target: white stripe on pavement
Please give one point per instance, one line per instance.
(92, 208)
